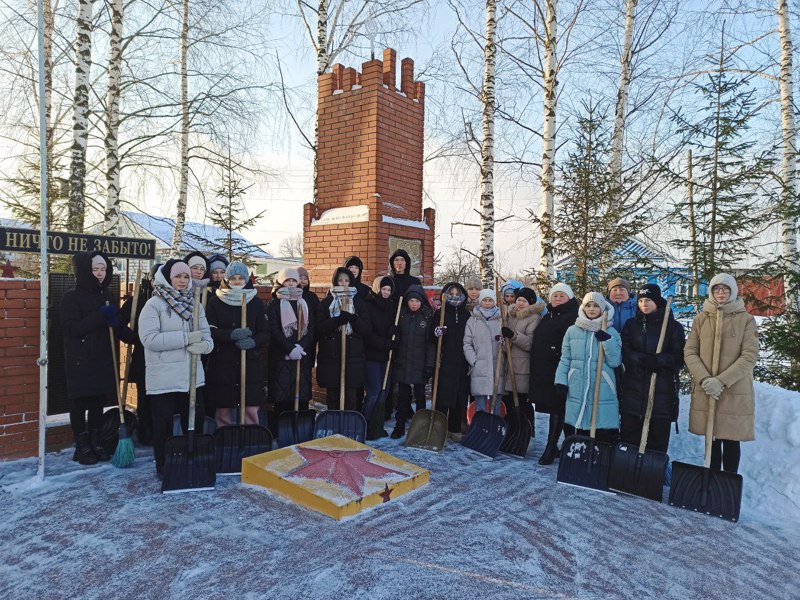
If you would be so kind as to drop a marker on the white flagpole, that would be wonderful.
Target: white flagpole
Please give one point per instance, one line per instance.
(42, 362)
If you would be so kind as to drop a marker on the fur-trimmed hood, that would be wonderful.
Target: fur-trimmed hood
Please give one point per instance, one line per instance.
(537, 308)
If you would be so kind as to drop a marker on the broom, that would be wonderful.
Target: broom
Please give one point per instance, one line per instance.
(124, 455)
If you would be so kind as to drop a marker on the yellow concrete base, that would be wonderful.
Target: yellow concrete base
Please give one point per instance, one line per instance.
(336, 476)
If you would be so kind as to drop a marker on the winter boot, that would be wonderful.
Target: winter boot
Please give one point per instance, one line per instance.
(399, 430)
(83, 450)
(551, 449)
(97, 446)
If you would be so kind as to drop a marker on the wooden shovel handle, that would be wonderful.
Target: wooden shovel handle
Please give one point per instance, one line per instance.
(499, 362)
(129, 353)
(297, 366)
(712, 402)
(598, 375)
(648, 413)
(242, 366)
(193, 361)
(391, 352)
(509, 361)
(116, 373)
(437, 366)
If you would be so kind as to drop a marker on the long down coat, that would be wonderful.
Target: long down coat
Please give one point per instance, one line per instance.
(546, 354)
(735, 410)
(482, 350)
(415, 350)
(523, 323)
(282, 372)
(330, 350)
(453, 366)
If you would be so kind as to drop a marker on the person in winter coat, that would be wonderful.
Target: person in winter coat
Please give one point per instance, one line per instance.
(732, 385)
(622, 300)
(217, 264)
(356, 268)
(165, 328)
(223, 371)
(413, 365)
(292, 334)
(399, 270)
(312, 301)
(562, 311)
(577, 371)
(200, 269)
(332, 316)
(144, 429)
(482, 349)
(473, 287)
(508, 289)
(639, 342)
(87, 313)
(453, 389)
(380, 305)
(521, 321)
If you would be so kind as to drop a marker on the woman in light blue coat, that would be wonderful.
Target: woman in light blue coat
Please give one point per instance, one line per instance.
(577, 370)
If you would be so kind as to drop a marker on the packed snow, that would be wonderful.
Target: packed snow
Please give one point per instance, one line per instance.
(481, 529)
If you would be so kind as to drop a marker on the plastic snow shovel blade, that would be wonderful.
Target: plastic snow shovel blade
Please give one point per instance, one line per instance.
(472, 409)
(295, 427)
(585, 463)
(638, 474)
(189, 464)
(518, 436)
(109, 430)
(485, 434)
(348, 423)
(715, 493)
(428, 430)
(235, 442)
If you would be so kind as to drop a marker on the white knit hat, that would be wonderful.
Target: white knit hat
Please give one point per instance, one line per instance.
(726, 280)
(487, 293)
(561, 287)
(197, 261)
(288, 273)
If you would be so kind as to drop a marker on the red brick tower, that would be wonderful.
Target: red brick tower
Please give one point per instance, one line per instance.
(369, 161)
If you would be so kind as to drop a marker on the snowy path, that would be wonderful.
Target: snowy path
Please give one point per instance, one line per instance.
(481, 529)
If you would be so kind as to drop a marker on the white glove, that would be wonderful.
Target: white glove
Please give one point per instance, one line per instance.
(712, 386)
(197, 347)
(195, 336)
(297, 352)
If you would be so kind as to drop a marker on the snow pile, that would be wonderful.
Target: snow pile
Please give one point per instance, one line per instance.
(344, 214)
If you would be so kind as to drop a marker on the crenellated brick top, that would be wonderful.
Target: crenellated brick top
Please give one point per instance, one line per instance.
(374, 73)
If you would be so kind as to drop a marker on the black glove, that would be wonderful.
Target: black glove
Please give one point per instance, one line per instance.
(428, 373)
(111, 313)
(241, 333)
(650, 362)
(348, 317)
(507, 332)
(602, 336)
(394, 330)
(561, 391)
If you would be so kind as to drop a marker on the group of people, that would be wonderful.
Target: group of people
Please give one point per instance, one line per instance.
(552, 346)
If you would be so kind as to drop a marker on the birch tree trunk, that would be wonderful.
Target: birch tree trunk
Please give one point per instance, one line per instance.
(80, 121)
(789, 142)
(112, 118)
(323, 58)
(618, 136)
(47, 13)
(486, 256)
(548, 142)
(183, 186)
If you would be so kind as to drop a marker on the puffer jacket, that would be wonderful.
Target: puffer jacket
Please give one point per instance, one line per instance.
(734, 417)
(546, 354)
(482, 349)
(415, 350)
(282, 372)
(404, 280)
(453, 386)
(622, 312)
(577, 370)
(523, 323)
(165, 336)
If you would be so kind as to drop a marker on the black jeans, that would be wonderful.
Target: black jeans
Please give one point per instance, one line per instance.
(630, 432)
(607, 436)
(162, 407)
(726, 454)
(349, 398)
(77, 414)
(404, 391)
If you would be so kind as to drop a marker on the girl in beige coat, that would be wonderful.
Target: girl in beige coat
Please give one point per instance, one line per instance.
(732, 385)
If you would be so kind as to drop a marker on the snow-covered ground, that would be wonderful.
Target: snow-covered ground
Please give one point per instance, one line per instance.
(480, 529)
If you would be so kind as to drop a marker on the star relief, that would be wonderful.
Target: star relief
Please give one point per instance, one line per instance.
(345, 468)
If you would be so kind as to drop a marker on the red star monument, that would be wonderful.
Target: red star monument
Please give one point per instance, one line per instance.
(346, 468)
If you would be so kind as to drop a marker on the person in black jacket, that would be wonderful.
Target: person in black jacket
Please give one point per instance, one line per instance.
(312, 300)
(380, 305)
(413, 366)
(545, 356)
(453, 390)
(336, 311)
(399, 270)
(639, 342)
(87, 313)
(216, 268)
(200, 268)
(144, 416)
(223, 378)
(356, 267)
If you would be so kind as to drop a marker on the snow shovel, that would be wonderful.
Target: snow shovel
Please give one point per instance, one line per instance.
(296, 426)
(584, 461)
(235, 442)
(518, 436)
(189, 459)
(373, 410)
(428, 429)
(348, 423)
(641, 472)
(701, 489)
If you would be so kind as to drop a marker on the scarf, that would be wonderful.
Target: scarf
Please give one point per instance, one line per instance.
(181, 302)
(232, 296)
(487, 313)
(343, 301)
(288, 316)
(455, 300)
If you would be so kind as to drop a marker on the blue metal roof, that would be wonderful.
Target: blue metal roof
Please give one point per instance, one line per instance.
(194, 234)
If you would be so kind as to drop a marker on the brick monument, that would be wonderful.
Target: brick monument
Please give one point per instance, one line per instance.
(369, 164)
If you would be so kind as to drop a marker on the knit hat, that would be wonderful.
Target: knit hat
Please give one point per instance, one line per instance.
(511, 286)
(653, 292)
(526, 293)
(175, 267)
(561, 287)
(303, 272)
(217, 261)
(196, 261)
(619, 281)
(595, 297)
(473, 282)
(98, 259)
(487, 293)
(415, 291)
(288, 273)
(236, 268)
(726, 280)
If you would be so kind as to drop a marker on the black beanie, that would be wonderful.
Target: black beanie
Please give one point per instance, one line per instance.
(653, 292)
(526, 293)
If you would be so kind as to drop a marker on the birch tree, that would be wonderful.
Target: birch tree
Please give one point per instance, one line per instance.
(618, 137)
(80, 137)
(546, 269)
(183, 185)
(111, 220)
(487, 146)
